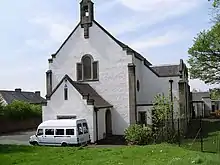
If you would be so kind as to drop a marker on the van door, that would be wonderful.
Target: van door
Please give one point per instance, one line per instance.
(59, 136)
(86, 132)
(48, 138)
(80, 133)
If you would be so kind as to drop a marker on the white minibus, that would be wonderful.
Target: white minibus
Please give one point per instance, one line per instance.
(63, 132)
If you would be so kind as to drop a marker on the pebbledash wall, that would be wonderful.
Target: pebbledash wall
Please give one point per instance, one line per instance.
(113, 78)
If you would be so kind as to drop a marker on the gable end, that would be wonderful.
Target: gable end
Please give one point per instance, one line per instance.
(55, 54)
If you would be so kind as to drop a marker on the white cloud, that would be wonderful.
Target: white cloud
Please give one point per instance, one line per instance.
(173, 35)
(150, 12)
(106, 6)
(171, 6)
(57, 29)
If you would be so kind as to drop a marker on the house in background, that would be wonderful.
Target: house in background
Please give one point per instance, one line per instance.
(95, 76)
(31, 97)
(215, 105)
(203, 105)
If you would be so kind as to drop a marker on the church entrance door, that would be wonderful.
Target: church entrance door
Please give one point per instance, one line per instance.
(108, 122)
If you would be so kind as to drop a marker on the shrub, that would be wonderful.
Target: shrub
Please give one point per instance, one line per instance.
(138, 135)
(19, 110)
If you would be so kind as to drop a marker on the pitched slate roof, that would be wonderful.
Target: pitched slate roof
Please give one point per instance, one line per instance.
(197, 96)
(31, 97)
(85, 89)
(167, 70)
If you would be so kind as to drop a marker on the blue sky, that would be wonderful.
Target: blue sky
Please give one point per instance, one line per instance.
(161, 30)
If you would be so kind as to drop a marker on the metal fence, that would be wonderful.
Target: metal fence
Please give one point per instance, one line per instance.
(204, 135)
(197, 134)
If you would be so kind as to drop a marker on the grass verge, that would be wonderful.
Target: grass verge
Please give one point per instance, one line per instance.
(162, 154)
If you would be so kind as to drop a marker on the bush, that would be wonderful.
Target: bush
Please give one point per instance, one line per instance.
(138, 135)
(19, 110)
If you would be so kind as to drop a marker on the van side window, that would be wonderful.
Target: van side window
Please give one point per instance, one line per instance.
(59, 131)
(69, 131)
(49, 131)
(40, 132)
(80, 129)
(85, 128)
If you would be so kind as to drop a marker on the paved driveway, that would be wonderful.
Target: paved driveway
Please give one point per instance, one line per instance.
(20, 138)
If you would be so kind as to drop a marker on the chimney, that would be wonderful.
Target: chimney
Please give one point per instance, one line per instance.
(18, 90)
(37, 93)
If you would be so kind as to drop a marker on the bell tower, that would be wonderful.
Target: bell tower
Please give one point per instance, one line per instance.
(86, 16)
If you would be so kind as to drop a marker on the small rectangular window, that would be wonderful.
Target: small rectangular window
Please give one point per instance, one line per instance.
(49, 131)
(85, 128)
(95, 70)
(69, 131)
(80, 129)
(66, 93)
(79, 71)
(40, 132)
(59, 131)
(142, 118)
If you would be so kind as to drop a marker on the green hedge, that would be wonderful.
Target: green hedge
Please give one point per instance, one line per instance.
(19, 110)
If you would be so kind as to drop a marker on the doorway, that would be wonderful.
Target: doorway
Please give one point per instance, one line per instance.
(108, 122)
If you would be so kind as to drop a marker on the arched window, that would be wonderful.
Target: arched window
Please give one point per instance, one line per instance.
(87, 69)
(65, 92)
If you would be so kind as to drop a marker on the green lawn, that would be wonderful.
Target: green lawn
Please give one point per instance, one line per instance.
(163, 154)
(210, 143)
(211, 137)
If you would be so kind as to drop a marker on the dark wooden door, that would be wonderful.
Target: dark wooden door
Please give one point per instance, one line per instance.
(108, 122)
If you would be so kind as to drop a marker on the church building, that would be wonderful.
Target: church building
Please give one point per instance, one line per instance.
(95, 76)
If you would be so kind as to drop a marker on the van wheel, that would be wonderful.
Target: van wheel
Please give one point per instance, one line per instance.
(64, 144)
(35, 143)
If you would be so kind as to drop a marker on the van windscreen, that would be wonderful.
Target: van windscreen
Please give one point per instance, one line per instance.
(40, 132)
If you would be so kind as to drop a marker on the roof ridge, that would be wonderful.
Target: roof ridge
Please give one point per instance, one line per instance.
(15, 91)
(163, 65)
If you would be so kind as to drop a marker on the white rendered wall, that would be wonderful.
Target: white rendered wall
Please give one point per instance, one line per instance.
(75, 105)
(151, 85)
(113, 70)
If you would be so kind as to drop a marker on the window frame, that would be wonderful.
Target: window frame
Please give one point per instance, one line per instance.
(144, 113)
(85, 130)
(38, 132)
(49, 134)
(80, 73)
(72, 130)
(78, 129)
(138, 85)
(90, 67)
(59, 134)
(65, 92)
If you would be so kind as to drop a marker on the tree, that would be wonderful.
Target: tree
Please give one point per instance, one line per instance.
(215, 93)
(1, 106)
(1, 101)
(204, 59)
(216, 3)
